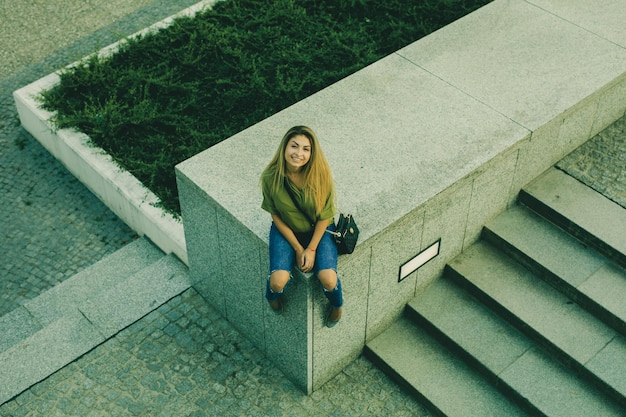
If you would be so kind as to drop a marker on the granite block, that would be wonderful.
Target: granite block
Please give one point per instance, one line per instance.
(243, 281)
(539, 153)
(514, 57)
(492, 193)
(607, 287)
(611, 105)
(577, 123)
(335, 348)
(107, 273)
(116, 308)
(492, 341)
(606, 21)
(582, 206)
(45, 352)
(445, 218)
(386, 297)
(554, 250)
(16, 326)
(206, 272)
(531, 300)
(288, 336)
(435, 373)
(610, 366)
(554, 390)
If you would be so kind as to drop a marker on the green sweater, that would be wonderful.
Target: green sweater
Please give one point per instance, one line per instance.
(282, 205)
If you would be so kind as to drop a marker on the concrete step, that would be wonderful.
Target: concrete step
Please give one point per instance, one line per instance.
(583, 274)
(64, 297)
(121, 305)
(508, 358)
(87, 284)
(434, 374)
(74, 317)
(41, 354)
(580, 210)
(547, 316)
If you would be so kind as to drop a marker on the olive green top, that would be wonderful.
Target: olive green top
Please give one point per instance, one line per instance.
(282, 205)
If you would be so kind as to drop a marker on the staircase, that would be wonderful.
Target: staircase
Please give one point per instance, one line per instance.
(72, 318)
(530, 320)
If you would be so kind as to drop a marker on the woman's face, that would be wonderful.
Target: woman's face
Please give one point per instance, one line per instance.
(297, 153)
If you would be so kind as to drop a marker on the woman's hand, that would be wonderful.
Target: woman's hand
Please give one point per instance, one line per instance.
(306, 260)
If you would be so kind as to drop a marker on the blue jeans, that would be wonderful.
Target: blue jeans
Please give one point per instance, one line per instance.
(283, 258)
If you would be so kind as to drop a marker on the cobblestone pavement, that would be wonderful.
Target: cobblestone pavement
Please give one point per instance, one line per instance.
(601, 162)
(182, 359)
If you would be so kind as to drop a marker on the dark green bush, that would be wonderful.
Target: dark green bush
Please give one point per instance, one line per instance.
(165, 97)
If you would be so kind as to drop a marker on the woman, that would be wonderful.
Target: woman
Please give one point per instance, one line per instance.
(298, 192)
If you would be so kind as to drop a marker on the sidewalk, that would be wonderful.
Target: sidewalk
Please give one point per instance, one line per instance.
(183, 359)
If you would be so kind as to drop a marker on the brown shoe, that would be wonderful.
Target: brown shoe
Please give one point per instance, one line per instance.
(334, 316)
(277, 305)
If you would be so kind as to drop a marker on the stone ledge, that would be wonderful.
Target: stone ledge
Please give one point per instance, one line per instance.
(428, 143)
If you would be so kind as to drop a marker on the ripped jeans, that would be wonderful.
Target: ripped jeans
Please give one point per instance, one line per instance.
(283, 258)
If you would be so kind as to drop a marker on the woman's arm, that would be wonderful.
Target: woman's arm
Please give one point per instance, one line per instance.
(305, 257)
(308, 256)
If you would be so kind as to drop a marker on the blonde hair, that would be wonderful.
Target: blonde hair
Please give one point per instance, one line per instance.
(318, 179)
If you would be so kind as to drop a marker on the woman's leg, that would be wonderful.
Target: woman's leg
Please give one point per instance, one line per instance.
(282, 258)
(326, 270)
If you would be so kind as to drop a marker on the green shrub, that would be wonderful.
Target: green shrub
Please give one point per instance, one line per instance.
(165, 97)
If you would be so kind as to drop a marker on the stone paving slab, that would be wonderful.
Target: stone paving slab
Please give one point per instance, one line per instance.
(92, 281)
(530, 300)
(15, 326)
(449, 383)
(123, 304)
(579, 205)
(46, 351)
(504, 352)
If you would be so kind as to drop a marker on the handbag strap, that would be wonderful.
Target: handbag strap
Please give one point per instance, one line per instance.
(295, 202)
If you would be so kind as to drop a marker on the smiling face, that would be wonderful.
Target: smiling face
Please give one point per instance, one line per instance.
(297, 153)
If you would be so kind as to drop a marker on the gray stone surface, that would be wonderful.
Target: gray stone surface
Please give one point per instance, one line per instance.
(581, 206)
(608, 288)
(120, 305)
(492, 341)
(452, 387)
(90, 282)
(531, 300)
(557, 252)
(46, 351)
(506, 353)
(610, 364)
(16, 326)
(565, 396)
(605, 21)
(540, 82)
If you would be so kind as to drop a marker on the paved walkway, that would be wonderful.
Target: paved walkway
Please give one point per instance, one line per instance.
(182, 359)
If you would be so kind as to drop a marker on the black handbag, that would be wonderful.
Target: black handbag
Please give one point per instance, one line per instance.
(346, 232)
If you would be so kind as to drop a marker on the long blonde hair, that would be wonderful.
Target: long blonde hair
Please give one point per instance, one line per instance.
(318, 179)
